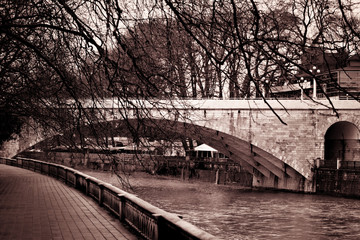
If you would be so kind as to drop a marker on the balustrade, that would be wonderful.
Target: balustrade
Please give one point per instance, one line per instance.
(94, 189)
(37, 166)
(71, 178)
(148, 220)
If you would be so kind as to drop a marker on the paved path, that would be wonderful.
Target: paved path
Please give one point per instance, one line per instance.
(35, 206)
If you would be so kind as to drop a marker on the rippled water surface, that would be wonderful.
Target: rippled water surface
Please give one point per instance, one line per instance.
(238, 214)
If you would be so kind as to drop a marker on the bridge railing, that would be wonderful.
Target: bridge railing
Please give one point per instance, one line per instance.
(336, 164)
(149, 221)
(350, 164)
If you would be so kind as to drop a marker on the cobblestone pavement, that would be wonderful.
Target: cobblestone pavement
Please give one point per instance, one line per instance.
(36, 206)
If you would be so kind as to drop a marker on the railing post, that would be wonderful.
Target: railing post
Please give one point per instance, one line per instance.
(76, 180)
(48, 169)
(57, 172)
(66, 176)
(159, 232)
(157, 227)
(101, 193)
(121, 207)
(87, 186)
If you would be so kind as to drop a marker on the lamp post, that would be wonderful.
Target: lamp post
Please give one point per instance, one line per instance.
(301, 84)
(314, 71)
(266, 88)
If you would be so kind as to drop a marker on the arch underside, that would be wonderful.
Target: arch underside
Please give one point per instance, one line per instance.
(341, 143)
(252, 158)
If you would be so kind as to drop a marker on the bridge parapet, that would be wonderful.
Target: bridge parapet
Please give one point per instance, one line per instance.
(200, 104)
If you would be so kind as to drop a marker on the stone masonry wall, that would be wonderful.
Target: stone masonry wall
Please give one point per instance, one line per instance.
(297, 143)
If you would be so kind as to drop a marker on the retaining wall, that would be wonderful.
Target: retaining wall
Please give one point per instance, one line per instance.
(339, 182)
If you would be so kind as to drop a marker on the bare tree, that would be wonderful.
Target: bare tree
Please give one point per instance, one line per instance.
(55, 54)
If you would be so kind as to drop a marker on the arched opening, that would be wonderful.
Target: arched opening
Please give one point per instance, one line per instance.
(342, 145)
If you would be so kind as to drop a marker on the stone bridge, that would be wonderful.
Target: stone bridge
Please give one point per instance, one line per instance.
(278, 155)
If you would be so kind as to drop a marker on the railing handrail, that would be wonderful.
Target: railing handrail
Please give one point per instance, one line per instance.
(166, 223)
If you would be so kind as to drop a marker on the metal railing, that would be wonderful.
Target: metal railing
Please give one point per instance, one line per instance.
(149, 221)
(350, 165)
(335, 164)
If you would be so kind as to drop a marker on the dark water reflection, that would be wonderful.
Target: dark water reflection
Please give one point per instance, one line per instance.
(237, 214)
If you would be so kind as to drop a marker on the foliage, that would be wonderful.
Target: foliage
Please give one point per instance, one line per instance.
(9, 125)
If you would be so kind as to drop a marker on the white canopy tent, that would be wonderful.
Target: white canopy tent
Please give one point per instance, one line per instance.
(205, 148)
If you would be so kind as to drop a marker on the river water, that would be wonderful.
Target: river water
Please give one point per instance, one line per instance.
(233, 213)
(237, 214)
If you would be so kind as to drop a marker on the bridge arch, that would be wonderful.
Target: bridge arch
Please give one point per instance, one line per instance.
(268, 170)
(341, 142)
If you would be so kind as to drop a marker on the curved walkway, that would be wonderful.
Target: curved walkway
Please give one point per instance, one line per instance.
(35, 206)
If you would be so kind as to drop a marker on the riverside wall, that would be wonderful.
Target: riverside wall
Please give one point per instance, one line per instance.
(338, 182)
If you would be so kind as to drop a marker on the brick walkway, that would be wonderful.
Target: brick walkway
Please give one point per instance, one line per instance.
(35, 206)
